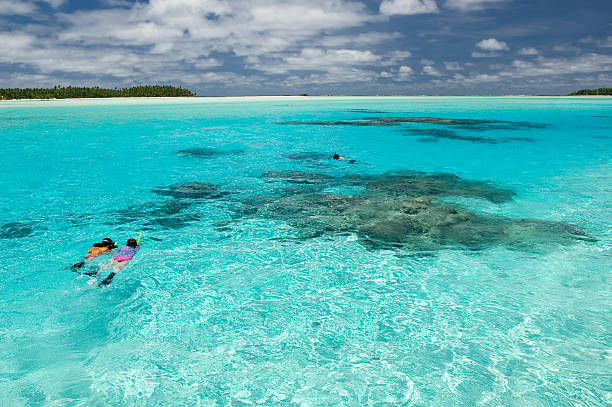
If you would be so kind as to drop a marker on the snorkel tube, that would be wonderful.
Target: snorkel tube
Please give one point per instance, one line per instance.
(138, 241)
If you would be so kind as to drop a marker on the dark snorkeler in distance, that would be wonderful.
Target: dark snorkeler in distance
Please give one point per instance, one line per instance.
(339, 158)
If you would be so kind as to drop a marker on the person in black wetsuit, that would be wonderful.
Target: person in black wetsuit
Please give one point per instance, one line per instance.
(105, 246)
(337, 157)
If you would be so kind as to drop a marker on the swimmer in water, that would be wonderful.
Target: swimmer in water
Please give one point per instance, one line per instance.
(105, 246)
(124, 255)
(337, 157)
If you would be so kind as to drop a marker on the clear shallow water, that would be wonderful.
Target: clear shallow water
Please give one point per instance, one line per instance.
(252, 307)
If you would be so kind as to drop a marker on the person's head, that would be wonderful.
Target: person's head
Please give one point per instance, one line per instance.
(131, 242)
(108, 242)
(336, 156)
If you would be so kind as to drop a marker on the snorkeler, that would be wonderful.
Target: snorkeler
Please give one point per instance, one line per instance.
(337, 157)
(105, 246)
(124, 255)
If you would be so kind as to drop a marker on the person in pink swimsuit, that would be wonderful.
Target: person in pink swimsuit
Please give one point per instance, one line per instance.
(122, 257)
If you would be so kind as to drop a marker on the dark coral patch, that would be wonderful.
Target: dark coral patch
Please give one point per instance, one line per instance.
(400, 211)
(15, 230)
(308, 156)
(193, 190)
(204, 152)
(448, 135)
(451, 135)
(298, 177)
(466, 124)
(168, 214)
(411, 184)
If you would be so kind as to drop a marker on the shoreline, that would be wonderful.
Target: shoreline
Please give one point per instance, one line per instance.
(222, 99)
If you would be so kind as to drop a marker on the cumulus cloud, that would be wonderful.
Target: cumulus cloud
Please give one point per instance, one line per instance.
(528, 51)
(16, 7)
(604, 43)
(566, 47)
(318, 59)
(453, 66)
(161, 39)
(393, 7)
(242, 27)
(541, 69)
(360, 40)
(425, 61)
(588, 63)
(404, 73)
(469, 5)
(492, 44)
(55, 3)
(430, 70)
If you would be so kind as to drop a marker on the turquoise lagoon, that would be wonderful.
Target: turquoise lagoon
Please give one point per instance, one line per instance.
(271, 274)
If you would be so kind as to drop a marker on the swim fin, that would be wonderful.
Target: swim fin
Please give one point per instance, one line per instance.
(107, 280)
(77, 266)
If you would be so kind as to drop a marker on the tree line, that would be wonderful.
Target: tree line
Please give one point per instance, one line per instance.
(69, 92)
(600, 91)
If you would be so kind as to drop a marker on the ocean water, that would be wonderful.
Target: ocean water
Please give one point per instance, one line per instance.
(463, 261)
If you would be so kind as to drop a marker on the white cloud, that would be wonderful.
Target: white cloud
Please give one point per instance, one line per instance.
(55, 3)
(588, 63)
(604, 43)
(566, 48)
(243, 27)
(359, 40)
(430, 70)
(162, 40)
(469, 5)
(528, 51)
(317, 59)
(16, 7)
(399, 55)
(342, 75)
(404, 73)
(427, 62)
(453, 66)
(393, 7)
(477, 54)
(540, 69)
(492, 44)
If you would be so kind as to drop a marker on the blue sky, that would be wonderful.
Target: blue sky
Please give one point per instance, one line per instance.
(319, 47)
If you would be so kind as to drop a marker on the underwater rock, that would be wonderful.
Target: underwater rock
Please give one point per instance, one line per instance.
(169, 214)
(467, 124)
(298, 177)
(309, 156)
(411, 184)
(451, 135)
(193, 190)
(15, 230)
(399, 211)
(370, 111)
(203, 152)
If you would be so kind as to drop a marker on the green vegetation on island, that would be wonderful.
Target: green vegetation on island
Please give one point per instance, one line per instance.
(70, 92)
(586, 92)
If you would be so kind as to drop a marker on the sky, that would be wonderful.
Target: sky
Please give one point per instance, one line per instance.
(318, 47)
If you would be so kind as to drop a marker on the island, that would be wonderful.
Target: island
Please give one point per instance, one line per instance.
(592, 92)
(71, 92)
